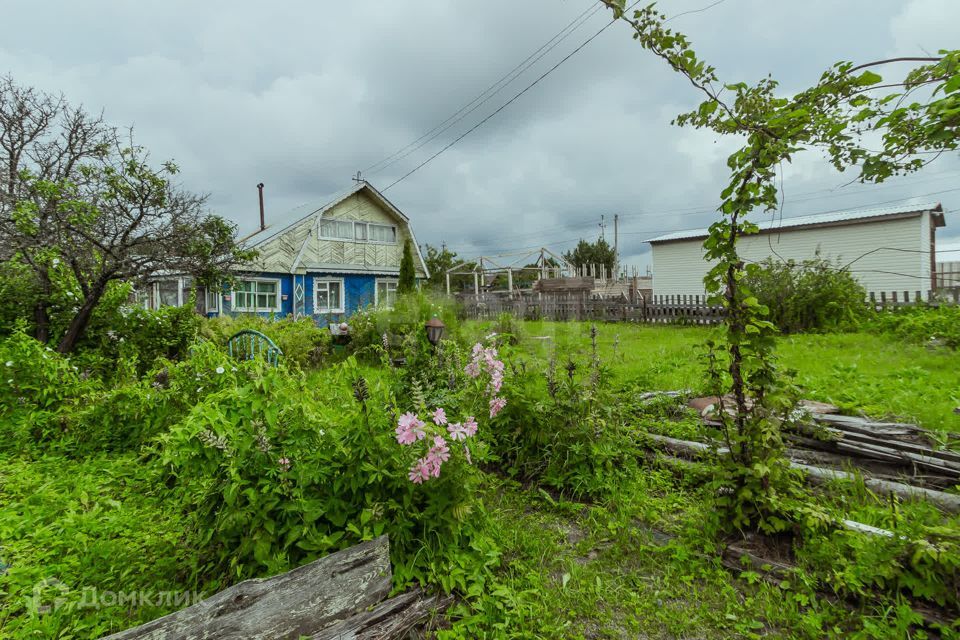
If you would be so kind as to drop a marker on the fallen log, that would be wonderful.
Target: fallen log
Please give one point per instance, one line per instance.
(876, 428)
(301, 602)
(947, 456)
(920, 460)
(392, 618)
(945, 501)
(684, 447)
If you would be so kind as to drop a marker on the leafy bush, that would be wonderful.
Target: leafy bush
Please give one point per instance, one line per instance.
(404, 321)
(136, 410)
(279, 472)
(564, 429)
(301, 340)
(931, 325)
(918, 560)
(37, 388)
(812, 295)
(119, 330)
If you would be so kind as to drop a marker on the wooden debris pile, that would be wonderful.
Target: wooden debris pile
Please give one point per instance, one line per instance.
(906, 448)
(893, 458)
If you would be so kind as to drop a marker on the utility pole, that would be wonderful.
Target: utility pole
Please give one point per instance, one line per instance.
(603, 228)
(616, 246)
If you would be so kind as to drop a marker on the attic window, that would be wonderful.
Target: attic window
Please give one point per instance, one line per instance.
(336, 229)
(383, 233)
(331, 229)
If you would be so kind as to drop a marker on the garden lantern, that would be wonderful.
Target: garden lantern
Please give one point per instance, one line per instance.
(434, 327)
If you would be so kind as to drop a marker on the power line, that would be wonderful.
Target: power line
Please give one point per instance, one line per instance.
(507, 103)
(483, 97)
(586, 224)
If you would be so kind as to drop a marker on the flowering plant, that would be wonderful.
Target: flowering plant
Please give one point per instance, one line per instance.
(411, 429)
(436, 429)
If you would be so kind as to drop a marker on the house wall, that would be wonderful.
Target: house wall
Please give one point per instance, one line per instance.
(900, 260)
(359, 292)
(280, 253)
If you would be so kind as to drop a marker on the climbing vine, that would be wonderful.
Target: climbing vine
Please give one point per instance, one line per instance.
(916, 120)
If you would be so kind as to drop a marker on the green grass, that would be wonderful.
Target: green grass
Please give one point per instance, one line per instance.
(877, 375)
(79, 536)
(637, 565)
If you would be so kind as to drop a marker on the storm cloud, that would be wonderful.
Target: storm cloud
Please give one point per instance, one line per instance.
(302, 95)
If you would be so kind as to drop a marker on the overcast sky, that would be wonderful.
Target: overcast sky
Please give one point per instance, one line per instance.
(301, 95)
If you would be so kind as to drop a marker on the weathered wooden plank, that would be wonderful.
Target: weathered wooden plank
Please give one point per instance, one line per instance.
(946, 501)
(298, 603)
(868, 426)
(389, 620)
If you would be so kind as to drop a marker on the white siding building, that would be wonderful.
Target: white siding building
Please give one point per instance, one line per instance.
(888, 250)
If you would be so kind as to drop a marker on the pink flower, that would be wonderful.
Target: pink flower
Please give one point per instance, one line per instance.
(284, 464)
(440, 449)
(496, 381)
(457, 431)
(496, 404)
(472, 369)
(410, 429)
(420, 471)
(440, 416)
(470, 426)
(437, 455)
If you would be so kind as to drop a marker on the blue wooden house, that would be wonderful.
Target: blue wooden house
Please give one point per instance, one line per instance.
(325, 264)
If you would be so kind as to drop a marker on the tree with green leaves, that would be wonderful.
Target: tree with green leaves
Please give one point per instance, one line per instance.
(588, 254)
(408, 278)
(83, 208)
(440, 260)
(914, 118)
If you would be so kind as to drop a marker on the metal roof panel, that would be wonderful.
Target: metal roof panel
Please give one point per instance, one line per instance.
(831, 217)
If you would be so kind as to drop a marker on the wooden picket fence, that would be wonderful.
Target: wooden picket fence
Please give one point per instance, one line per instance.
(658, 309)
(891, 299)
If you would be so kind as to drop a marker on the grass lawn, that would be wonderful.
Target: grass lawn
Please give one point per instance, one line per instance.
(638, 565)
(94, 542)
(877, 375)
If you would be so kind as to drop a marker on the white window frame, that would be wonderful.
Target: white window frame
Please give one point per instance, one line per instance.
(158, 300)
(366, 231)
(255, 309)
(145, 295)
(343, 296)
(376, 290)
(353, 236)
(338, 221)
(215, 293)
(396, 235)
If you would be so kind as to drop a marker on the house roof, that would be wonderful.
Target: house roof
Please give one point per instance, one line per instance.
(298, 214)
(833, 218)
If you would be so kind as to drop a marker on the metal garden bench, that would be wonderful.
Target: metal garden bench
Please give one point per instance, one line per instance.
(250, 344)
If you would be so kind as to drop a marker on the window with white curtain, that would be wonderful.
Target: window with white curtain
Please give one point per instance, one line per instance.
(328, 295)
(383, 233)
(336, 229)
(331, 229)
